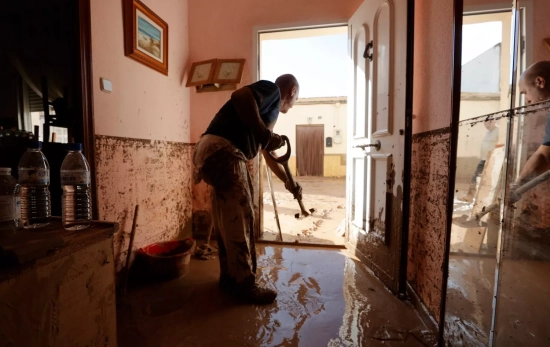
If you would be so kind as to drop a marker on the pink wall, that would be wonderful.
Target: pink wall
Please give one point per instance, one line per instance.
(142, 129)
(224, 29)
(144, 104)
(432, 64)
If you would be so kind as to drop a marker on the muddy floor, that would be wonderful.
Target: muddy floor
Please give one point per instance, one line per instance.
(522, 301)
(326, 298)
(325, 226)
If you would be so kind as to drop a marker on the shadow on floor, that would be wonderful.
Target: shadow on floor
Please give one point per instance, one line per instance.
(326, 298)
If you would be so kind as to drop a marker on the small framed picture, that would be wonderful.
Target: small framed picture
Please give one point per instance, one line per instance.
(229, 71)
(201, 73)
(145, 36)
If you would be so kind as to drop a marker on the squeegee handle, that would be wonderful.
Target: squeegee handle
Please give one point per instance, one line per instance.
(518, 193)
(283, 160)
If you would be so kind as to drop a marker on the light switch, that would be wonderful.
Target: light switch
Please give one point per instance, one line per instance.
(106, 85)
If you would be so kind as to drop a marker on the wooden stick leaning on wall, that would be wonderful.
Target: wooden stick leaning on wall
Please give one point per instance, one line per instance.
(130, 246)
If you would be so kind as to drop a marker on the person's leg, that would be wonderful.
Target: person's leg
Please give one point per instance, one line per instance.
(222, 257)
(473, 182)
(479, 171)
(233, 216)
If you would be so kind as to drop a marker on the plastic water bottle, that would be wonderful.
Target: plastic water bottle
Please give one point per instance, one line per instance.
(10, 208)
(34, 179)
(75, 180)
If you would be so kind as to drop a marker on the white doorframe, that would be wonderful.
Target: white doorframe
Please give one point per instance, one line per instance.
(257, 30)
(527, 5)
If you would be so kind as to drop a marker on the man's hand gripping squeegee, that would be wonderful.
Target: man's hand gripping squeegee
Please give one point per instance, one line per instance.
(283, 160)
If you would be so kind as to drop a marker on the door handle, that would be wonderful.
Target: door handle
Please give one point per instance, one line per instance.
(366, 54)
(376, 145)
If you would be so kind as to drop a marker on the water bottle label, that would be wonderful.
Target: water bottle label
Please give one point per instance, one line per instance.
(75, 177)
(8, 209)
(38, 177)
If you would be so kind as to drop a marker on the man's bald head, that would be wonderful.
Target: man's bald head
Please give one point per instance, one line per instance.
(535, 82)
(290, 88)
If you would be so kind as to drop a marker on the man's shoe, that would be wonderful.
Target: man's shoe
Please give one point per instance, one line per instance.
(226, 283)
(250, 294)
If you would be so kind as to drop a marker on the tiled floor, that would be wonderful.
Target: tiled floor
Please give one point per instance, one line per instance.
(326, 298)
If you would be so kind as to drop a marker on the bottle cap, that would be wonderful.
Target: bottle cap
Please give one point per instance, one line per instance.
(74, 146)
(34, 145)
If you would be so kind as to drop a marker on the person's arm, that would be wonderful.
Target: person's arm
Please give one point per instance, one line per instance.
(539, 161)
(277, 168)
(280, 172)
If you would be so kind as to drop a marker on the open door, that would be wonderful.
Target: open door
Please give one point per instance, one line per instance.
(376, 118)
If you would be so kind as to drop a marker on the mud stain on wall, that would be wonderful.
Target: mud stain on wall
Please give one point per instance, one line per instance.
(154, 174)
(428, 216)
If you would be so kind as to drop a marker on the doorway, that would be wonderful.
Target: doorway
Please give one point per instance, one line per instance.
(46, 68)
(497, 288)
(316, 127)
(480, 154)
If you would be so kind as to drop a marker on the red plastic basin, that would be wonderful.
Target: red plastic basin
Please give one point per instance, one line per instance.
(165, 260)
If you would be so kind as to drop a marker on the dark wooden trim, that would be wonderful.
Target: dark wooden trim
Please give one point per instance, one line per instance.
(86, 80)
(458, 14)
(407, 155)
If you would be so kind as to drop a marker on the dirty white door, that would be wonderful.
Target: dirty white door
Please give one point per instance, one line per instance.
(378, 34)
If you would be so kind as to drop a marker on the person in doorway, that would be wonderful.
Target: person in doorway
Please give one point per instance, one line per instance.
(534, 84)
(531, 225)
(489, 142)
(242, 127)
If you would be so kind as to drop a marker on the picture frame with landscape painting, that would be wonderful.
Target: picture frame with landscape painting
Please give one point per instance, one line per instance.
(145, 36)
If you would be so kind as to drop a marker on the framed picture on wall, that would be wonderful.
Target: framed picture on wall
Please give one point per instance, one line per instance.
(145, 36)
(201, 73)
(229, 71)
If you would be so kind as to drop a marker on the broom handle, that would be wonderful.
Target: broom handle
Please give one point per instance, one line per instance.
(130, 246)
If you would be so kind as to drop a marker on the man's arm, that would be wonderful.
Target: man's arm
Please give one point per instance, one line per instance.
(280, 171)
(538, 162)
(274, 166)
